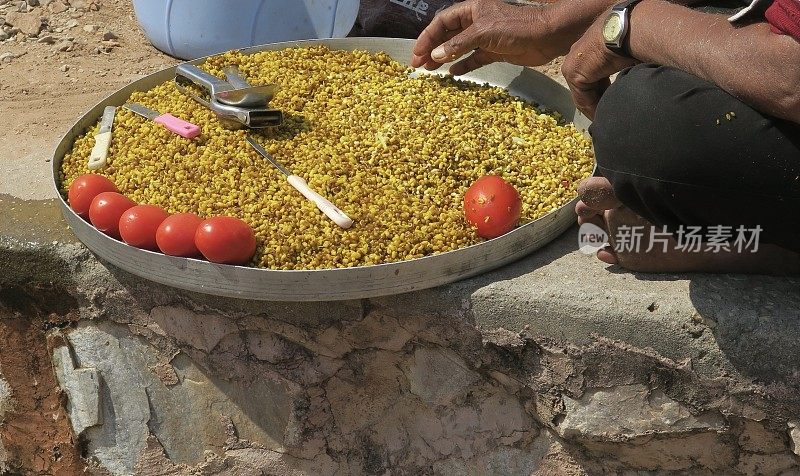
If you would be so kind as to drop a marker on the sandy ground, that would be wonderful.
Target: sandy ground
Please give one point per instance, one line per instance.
(43, 91)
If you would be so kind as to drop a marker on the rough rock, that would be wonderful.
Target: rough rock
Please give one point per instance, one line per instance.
(200, 331)
(64, 45)
(703, 452)
(767, 465)
(523, 370)
(438, 376)
(82, 386)
(137, 403)
(757, 438)
(57, 7)
(117, 442)
(794, 435)
(28, 23)
(630, 411)
(6, 402)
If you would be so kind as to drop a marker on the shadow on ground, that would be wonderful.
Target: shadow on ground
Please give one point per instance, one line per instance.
(755, 321)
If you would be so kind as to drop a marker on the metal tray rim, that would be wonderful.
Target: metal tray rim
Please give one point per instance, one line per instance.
(544, 224)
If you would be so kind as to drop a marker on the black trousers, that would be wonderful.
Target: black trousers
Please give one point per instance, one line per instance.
(680, 152)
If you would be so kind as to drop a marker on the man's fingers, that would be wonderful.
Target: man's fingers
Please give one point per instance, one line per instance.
(458, 46)
(426, 61)
(586, 100)
(474, 61)
(443, 27)
(432, 65)
(579, 71)
(585, 93)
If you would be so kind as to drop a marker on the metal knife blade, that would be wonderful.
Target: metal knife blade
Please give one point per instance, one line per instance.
(267, 156)
(108, 119)
(325, 206)
(141, 110)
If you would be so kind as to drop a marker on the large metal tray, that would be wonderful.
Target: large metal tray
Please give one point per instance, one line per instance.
(333, 284)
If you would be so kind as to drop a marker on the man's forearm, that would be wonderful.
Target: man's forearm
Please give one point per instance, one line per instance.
(750, 62)
(575, 16)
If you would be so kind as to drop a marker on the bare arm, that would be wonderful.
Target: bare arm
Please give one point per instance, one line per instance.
(496, 31)
(750, 62)
(574, 17)
(523, 35)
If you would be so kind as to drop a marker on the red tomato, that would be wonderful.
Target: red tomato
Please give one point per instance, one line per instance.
(175, 236)
(84, 189)
(138, 225)
(225, 240)
(493, 206)
(106, 209)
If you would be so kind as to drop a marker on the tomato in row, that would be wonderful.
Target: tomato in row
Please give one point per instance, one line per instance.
(138, 226)
(224, 240)
(175, 235)
(84, 189)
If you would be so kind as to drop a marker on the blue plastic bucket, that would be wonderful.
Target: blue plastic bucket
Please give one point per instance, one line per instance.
(190, 29)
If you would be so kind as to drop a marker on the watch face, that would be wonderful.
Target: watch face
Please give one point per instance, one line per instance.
(612, 28)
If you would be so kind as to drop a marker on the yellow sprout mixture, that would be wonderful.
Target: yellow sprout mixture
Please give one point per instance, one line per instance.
(396, 153)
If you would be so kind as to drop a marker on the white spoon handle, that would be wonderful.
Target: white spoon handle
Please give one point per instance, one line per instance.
(322, 203)
(97, 160)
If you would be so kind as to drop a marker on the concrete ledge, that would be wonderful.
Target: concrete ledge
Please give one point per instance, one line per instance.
(552, 364)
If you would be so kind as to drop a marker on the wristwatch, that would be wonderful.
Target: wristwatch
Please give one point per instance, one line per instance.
(616, 27)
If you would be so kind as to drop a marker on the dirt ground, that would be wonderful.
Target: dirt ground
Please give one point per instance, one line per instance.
(44, 90)
(36, 434)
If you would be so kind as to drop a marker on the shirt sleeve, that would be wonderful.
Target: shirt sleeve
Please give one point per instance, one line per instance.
(784, 17)
(750, 10)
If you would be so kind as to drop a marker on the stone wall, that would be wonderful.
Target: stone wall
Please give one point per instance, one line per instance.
(553, 365)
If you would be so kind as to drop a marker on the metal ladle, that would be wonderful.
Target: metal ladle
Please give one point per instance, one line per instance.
(228, 93)
(232, 117)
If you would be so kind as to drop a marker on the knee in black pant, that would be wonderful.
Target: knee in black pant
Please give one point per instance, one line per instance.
(627, 113)
(646, 120)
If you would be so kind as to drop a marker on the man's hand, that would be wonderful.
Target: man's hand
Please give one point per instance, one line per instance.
(495, 31)
(589, 65)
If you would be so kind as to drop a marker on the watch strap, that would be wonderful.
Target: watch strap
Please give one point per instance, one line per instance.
(625, 4)
(624, 48)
